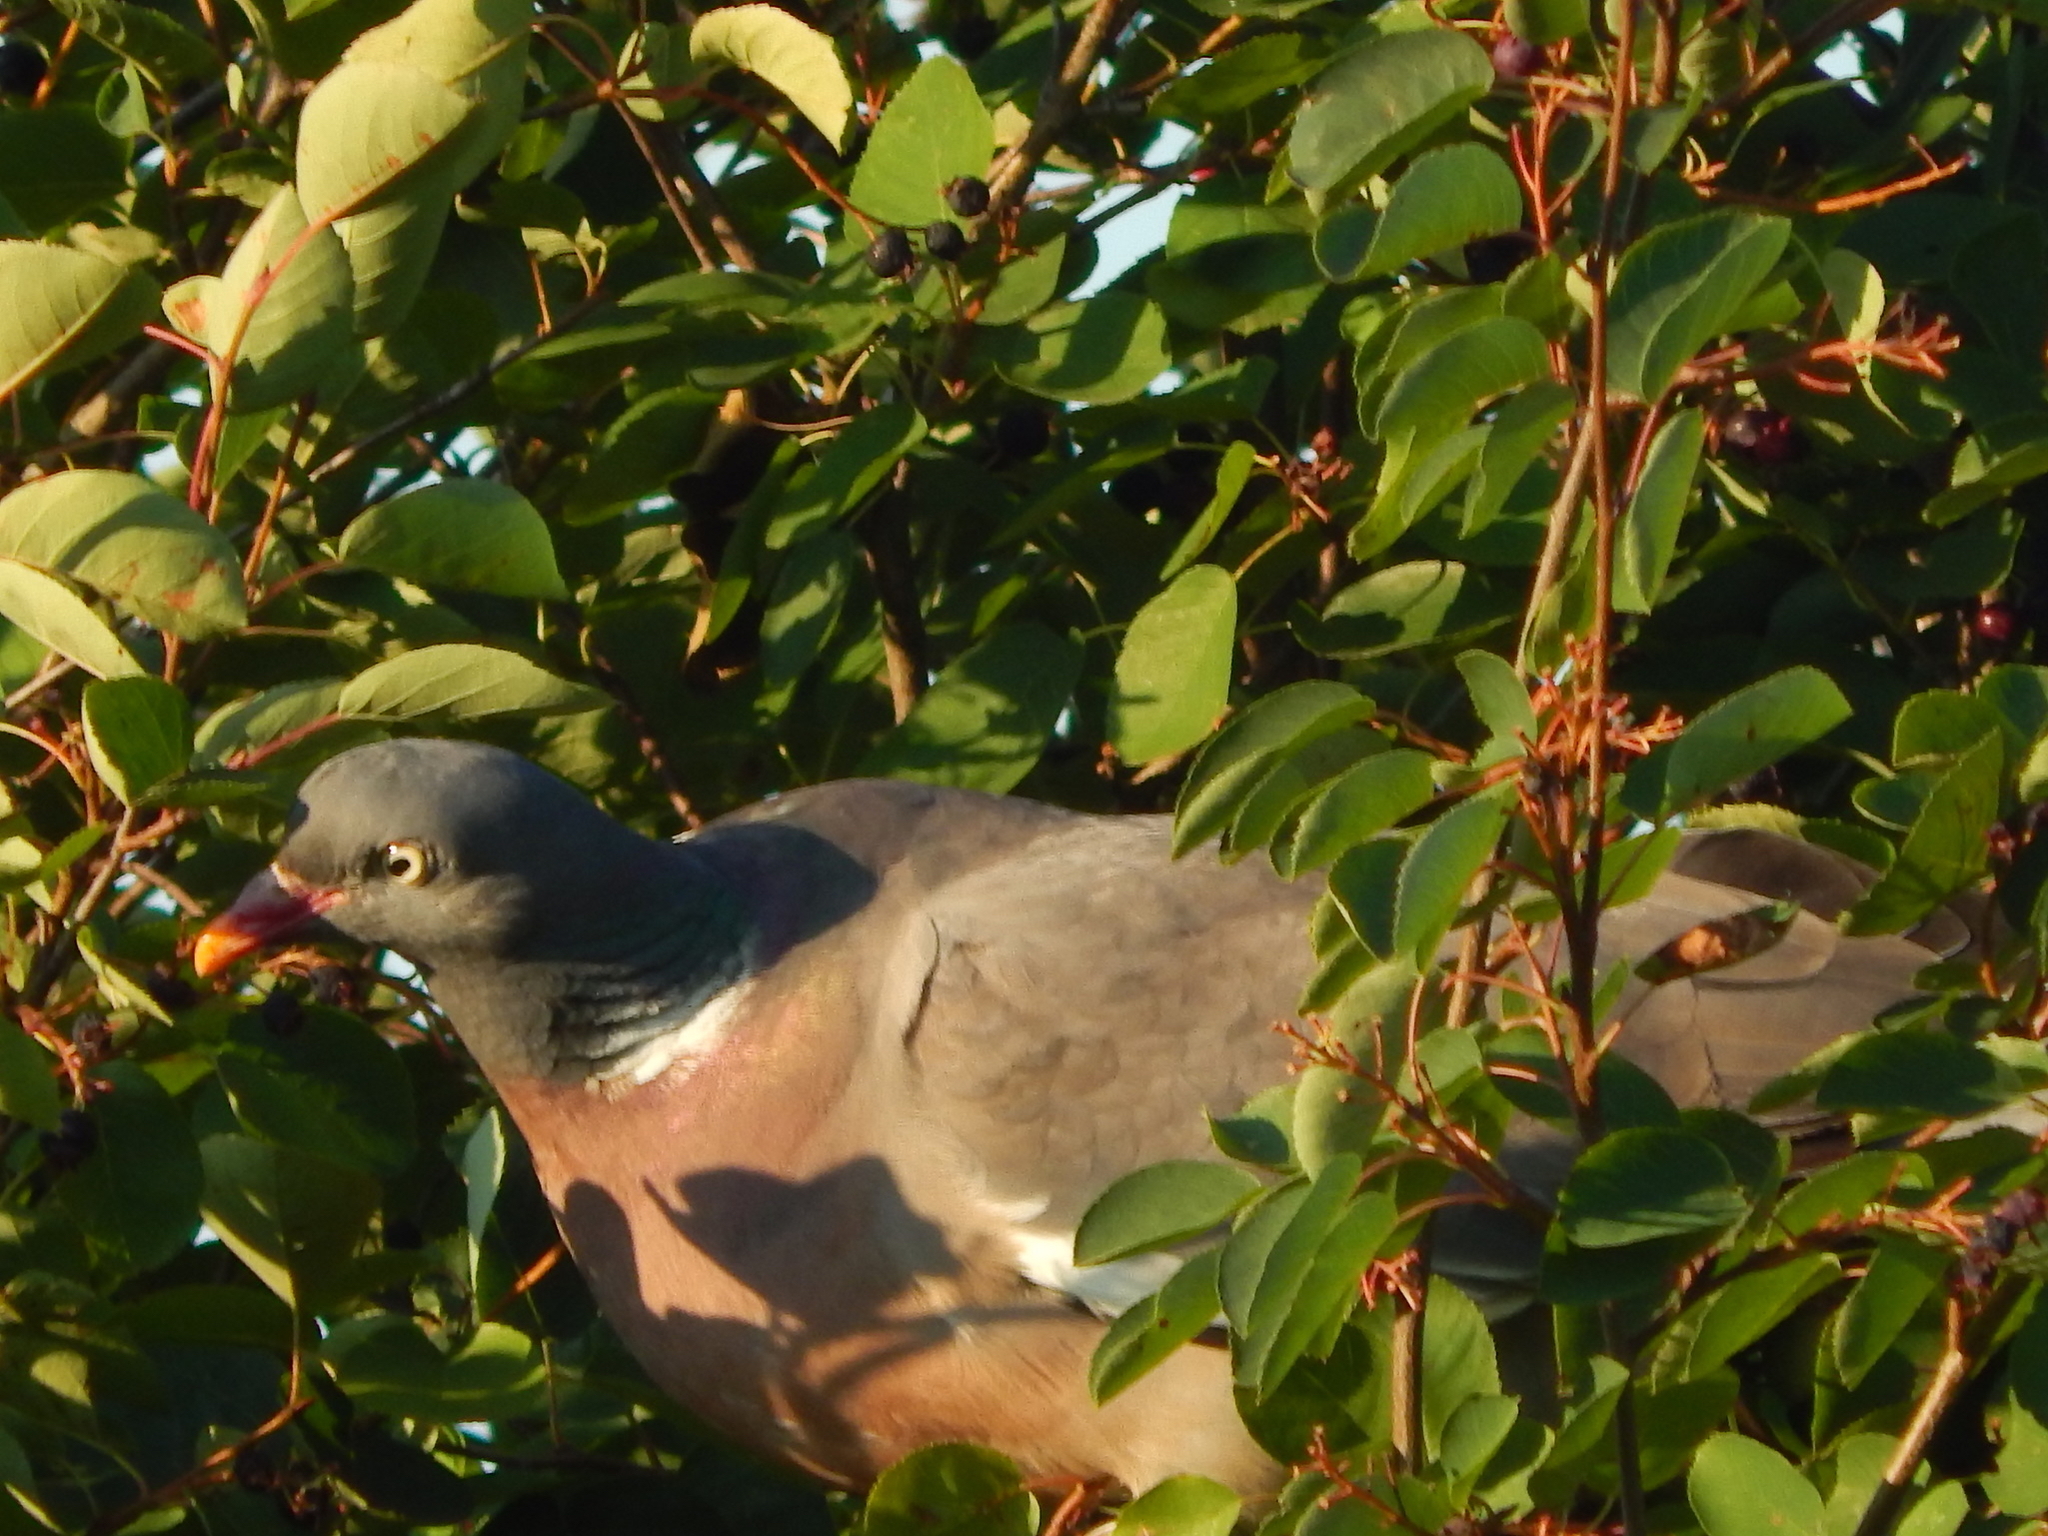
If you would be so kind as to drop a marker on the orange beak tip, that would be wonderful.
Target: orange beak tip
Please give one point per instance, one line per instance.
(220, 945)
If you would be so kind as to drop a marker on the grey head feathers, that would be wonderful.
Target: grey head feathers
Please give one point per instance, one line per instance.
(535, 914)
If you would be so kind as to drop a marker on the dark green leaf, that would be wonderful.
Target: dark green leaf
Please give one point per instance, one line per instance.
(137, 1194)
(1159, 1206)
(1944, 851)
(291, 1216)
(1749, 730)
(853, 464)
(1679, 287)
(1902, 1274)
(1648, 1183)
(1146, 1333)
(1649, 531)
(1439, 871)
(1379, 101)
(985, 720)
(1928, 1072)
(1244, 752)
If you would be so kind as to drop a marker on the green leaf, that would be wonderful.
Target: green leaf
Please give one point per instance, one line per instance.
(1401, 607)
(56, 162)
(1442, 387)
(1244, 752)
(985, 720)
(797, 61)
(1741, 1488)
(950, 1490)
(933, 131)
(1098, 351)
(64, 305)
(1649, 529)
(1232, 471)
(1444, 199)
(283, 305)
(28, 1082)
(1181, 1506)
(1679, 286)
(365, 130)
(1158, 1206)
(332, 1087)
(1647, 1183)
(263, 717)
(138, 732)
(852, 465)
(1307, 1271)
(1438, 871)
(1519, 432)
(387, 1365)
(1500, 697)
(1901, 1275)
(1750, 1306)
(471, 535)
(652, 441)
(1749, 730)
(461, 682)
(1379, 101)
(1143, 1335)
(1366, 798)
(1547, 21)
(49, 610)
(1173, 671)
(1934, 726)
(1926, 1072)
(156, 44)
(1986, 482)
(294, 1218)
(1945, 850)
(809, 591)
(137, 1195)
(134, 543)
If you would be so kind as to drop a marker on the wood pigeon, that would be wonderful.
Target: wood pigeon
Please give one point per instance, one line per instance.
(820, 1092)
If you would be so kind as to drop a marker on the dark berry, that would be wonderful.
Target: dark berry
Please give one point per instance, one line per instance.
(889, 254)
(945, 240)
(22, 67)
(1022, 432)
(1764, 436)
(1516, 58)
(75, 1139)
(403, 1235)
(1994, 623)
(967, 196)
(168, 990)
(281, 1012)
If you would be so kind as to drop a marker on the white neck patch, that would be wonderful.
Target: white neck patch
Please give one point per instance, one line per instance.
(686, 1043)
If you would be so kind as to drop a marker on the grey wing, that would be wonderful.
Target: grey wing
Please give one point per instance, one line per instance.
(1090, 997)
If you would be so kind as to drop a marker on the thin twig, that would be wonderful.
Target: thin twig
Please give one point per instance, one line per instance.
(1056, 103)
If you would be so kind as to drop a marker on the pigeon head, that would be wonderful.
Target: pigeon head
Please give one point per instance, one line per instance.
(446, 851)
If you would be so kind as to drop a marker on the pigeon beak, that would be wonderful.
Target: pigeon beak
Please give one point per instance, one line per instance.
(273, 906)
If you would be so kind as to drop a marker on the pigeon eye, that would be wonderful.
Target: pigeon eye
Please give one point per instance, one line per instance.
(407, 863)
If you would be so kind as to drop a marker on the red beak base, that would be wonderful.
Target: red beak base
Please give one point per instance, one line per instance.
(271, 907)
